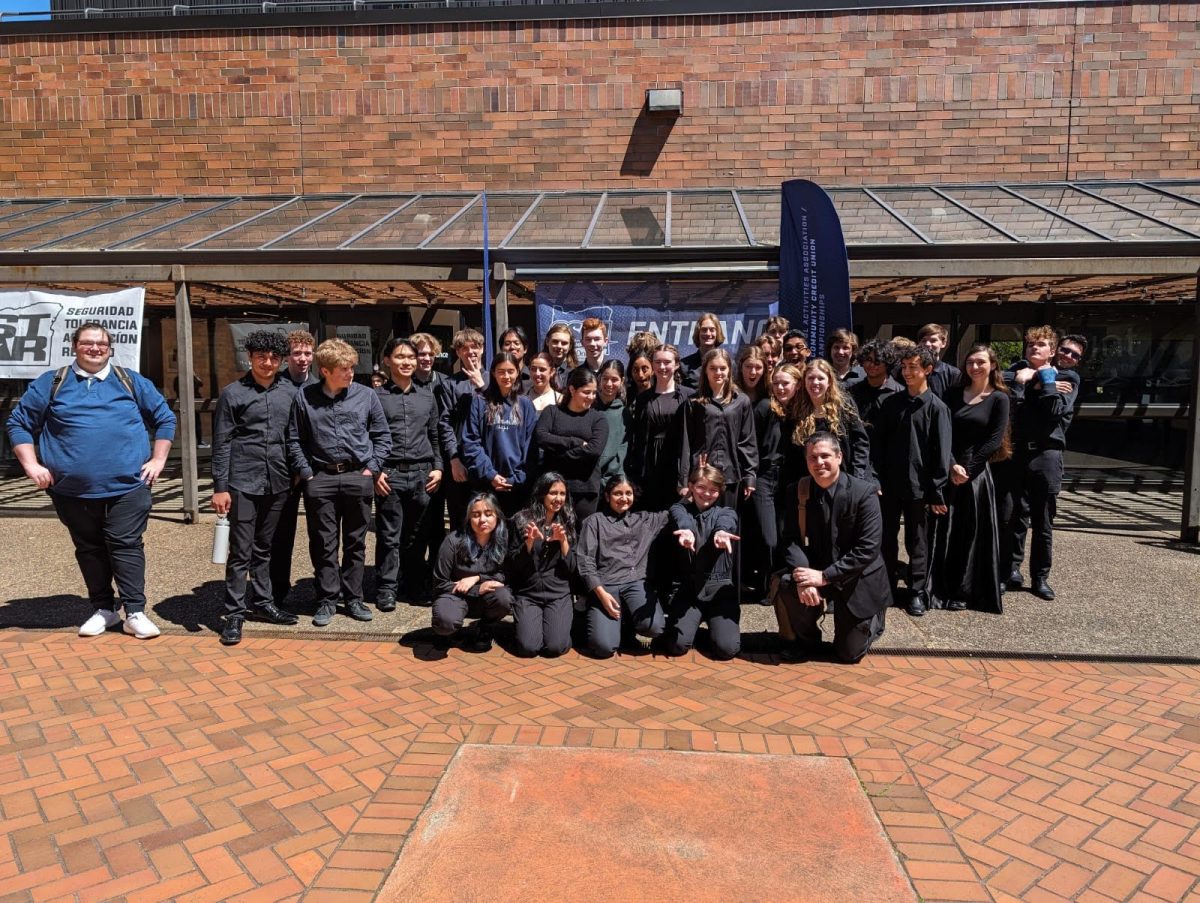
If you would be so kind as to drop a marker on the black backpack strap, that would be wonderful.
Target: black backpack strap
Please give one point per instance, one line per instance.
(125, 378)
(56, 383)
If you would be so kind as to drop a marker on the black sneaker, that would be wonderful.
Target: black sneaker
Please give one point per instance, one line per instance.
(357, 610)
(231, 635)
(385, 602)
(325, 613)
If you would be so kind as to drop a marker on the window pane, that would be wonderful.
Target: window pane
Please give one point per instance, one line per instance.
(866, 223)
(704, 219)
(559, 221)
(202, 226)
(937, 217)
(1112, 221)
(92, 218)
(1019, 217)
(152, 218)
(631, 221)
(1173, 210)
(43, 213)
(414, 223)
(262, 230)
(504, 211)
(762, 213)
(340, 227)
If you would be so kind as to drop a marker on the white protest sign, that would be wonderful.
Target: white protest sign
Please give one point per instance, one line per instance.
(36, 328)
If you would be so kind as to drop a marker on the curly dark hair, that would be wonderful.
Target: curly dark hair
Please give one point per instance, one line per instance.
(267, 340)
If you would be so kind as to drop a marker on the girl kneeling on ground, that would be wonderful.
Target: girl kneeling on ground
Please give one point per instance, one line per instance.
(469, 576)
(539, 569)
(611, 559)
(706, 532)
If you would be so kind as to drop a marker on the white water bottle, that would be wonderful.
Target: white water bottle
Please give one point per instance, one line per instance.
(221, 541)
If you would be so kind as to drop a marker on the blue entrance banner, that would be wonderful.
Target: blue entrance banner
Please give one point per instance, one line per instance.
(814, 274)
(667, 308)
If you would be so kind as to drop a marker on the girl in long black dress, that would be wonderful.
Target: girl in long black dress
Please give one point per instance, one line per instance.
(780, 464)
(652, 462)
(964, 567)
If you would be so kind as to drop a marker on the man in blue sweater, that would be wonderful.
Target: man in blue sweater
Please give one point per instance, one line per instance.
(97, 464)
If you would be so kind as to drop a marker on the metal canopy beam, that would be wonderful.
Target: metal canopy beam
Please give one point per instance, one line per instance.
(365, 272)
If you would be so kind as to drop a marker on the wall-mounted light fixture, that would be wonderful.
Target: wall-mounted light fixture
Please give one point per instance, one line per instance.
(664, 100)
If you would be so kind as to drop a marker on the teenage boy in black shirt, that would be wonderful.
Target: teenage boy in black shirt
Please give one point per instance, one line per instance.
(913, 433)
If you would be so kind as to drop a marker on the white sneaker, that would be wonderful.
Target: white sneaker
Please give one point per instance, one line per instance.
(100, 621)
(139, 625)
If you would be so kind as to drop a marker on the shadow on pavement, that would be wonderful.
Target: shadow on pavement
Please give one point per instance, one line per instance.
(45, 612)
(198, 610)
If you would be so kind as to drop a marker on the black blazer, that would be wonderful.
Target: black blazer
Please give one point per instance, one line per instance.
(856, 577)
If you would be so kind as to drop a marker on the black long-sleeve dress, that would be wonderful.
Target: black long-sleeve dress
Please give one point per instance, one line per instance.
(723, 433)
(965, 557)
(653, 458)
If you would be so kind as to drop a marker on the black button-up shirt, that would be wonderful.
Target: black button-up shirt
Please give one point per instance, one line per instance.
(350, 427)
(250, 436)
(413, 418)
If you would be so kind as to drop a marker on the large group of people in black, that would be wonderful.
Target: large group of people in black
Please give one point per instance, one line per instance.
(627, 504)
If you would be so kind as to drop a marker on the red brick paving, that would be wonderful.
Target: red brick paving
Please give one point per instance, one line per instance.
(178, 770)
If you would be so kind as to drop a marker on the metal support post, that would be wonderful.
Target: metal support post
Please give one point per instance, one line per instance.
(1190, 527)
(187, 401)
(500, 277)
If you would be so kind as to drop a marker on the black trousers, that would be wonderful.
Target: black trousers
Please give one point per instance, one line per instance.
(253, 520)
(761, 526)
(722, 613)
(641, 614)
(1035, 488)
(457, 496)
(107, 534)
(451, 609)
(283, 544)
(852, 636)
(916, 539)
(338, 508)
(401, 532)
(542, 625)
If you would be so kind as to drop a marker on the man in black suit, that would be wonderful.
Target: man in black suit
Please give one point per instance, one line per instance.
(836, 534)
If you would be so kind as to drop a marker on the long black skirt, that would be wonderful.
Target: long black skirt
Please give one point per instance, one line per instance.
(965, 551)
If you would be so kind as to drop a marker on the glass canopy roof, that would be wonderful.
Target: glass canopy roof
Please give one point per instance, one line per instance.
(621, 219)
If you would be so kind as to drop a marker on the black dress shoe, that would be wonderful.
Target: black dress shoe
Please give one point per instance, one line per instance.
(917, 605)
(1014, 580)
(386, 602)
(273, 614)
(1042, 589)
(477, 637)
(956, 605)
(231, 635)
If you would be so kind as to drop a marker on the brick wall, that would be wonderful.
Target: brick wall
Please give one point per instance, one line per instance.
(937, 95)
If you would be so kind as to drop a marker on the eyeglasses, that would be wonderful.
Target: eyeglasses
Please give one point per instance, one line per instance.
(92, 344)
(1070, 352)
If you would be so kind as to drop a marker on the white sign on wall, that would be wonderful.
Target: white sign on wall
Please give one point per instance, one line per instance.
(36, 328)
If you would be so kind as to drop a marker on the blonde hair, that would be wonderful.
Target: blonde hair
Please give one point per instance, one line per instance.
(424, 338)
(776, 408)
(836, 411)
(334, 353)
